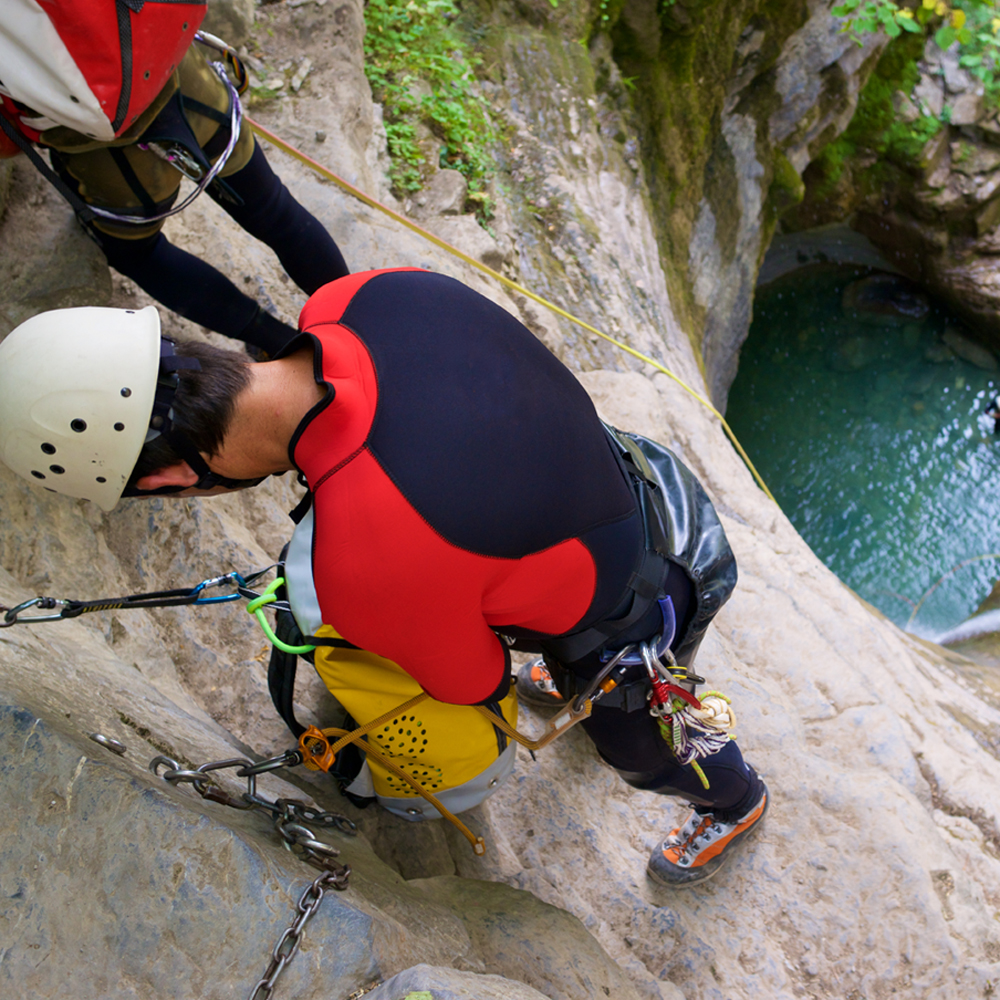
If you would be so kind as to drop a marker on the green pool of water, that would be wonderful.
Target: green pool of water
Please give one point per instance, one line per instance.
(873, 440)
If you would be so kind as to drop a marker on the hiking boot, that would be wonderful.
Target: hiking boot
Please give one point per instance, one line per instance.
(536, 687)
(695, 851)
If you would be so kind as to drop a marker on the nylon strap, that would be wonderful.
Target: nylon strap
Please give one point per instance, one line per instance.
(79, 206)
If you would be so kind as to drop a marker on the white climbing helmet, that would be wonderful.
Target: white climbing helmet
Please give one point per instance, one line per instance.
(77, 388)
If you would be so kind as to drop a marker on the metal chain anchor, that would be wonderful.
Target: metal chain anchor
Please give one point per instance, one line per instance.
(288, 944)
(290, 817)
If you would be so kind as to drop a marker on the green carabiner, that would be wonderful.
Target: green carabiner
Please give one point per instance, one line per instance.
(256, 608)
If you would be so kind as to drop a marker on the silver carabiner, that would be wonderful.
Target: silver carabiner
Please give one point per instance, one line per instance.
(12, 616)
(592, 691)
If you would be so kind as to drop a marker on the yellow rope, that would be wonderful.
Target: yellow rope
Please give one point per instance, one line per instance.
(356, 735)
(497, 276)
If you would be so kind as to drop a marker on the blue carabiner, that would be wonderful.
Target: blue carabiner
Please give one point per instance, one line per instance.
(666, 637)
(234, 578)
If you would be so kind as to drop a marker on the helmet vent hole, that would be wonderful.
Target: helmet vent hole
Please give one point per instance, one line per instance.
(126, 392)
(57, 469)
(49, 449)
(101, 479)
(78, 425)
(37, 474)
(119, 427)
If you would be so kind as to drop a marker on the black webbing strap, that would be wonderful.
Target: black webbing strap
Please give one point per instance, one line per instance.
(207, 111)
(176, 598)
(156, 599)
(646, 583)
(79, 206)
(132, 179)
(124, 17)
(281, 670)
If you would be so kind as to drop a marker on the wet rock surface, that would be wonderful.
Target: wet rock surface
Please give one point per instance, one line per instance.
(878, 866)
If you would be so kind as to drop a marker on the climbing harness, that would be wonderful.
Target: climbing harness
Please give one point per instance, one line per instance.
(181, 151)
(168, 137)
(682, 532)
(694, 728)
(316, 167)
(318, 748)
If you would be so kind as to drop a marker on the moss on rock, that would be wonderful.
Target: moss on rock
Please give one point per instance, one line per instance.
(683, 56)
(876, 149)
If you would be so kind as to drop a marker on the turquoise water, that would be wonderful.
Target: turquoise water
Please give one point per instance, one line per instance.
(873, 440)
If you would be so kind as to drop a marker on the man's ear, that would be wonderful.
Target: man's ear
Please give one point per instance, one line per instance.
(178, 474)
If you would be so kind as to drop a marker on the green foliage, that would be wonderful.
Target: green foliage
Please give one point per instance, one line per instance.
(865, 17)
(408, 41)
(972, 24)
(876, 128)
(981, 53)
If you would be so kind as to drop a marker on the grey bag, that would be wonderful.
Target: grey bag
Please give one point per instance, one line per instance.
(692, 536)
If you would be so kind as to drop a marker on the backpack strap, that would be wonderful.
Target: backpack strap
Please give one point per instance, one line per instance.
(282, 667)
(80, 208)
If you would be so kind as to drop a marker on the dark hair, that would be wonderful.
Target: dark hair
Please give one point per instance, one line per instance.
(202, 408)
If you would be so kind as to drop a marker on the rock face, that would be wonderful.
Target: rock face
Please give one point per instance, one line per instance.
(46, 259)
(884, 299)
(777, 82)
(928, 198)
(878, 869)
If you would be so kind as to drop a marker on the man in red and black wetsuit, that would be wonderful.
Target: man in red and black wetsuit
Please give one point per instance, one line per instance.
(462, 488)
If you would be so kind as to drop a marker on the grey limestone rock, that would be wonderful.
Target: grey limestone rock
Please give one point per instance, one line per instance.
(969, 350)
(444, 194)
(449, 984)
(46, 259)
(930, 93)
(230, 20)
(877, 870)
(967, 109)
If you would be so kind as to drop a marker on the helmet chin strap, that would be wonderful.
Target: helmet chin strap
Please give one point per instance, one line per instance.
(161, 422)
(207, 479)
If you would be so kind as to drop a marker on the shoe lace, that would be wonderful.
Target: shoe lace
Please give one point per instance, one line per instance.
(707, 822)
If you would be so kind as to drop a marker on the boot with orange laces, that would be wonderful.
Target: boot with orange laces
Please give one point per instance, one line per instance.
(536, 686)
(708, 838)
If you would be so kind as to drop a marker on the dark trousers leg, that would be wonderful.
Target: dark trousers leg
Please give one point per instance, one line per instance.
(195, 290)
(631, 743)
(270, 213)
